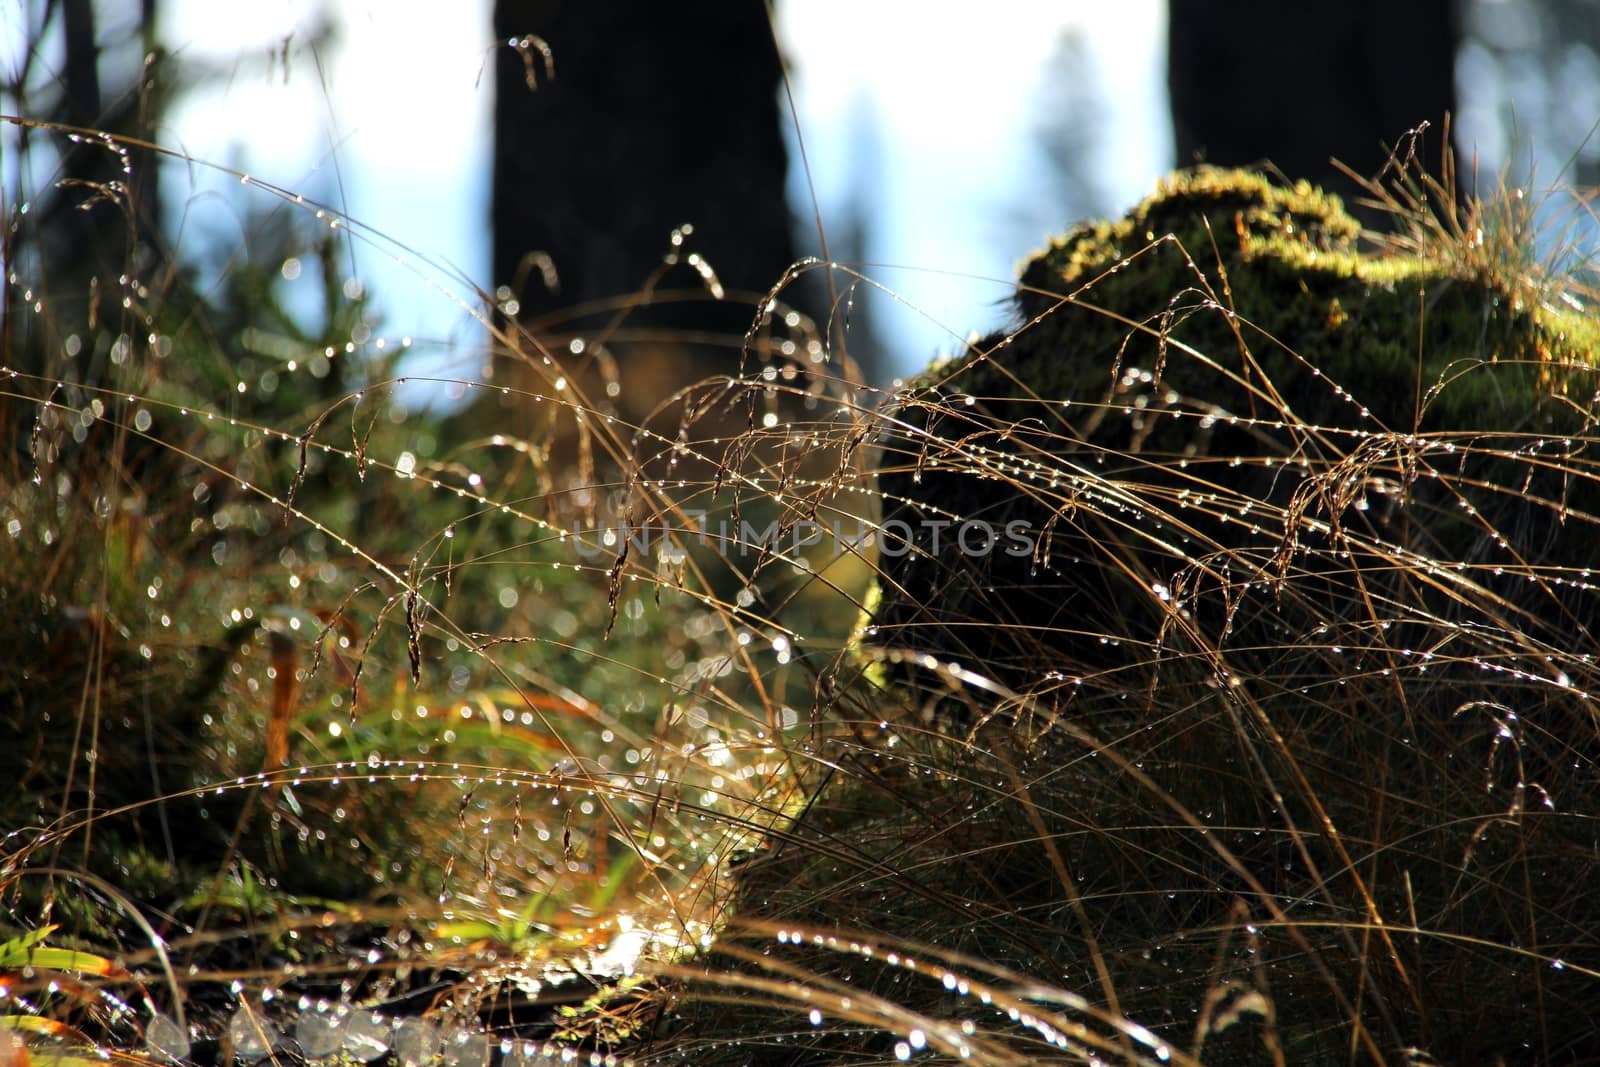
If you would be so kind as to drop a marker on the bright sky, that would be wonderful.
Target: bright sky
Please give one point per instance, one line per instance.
(931, 117)
(391, 124)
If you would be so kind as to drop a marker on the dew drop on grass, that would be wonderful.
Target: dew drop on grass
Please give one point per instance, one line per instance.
(253, 1037)
(366, 1036)
(319, 1034)
(166, 1038)
(416, 1043)
(467, 1049)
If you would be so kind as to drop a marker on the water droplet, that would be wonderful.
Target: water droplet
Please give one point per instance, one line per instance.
(467, 1049)
(416, 1043)
(253, 1037)
(366, 1036)
(166, 1038)
(319, 1034)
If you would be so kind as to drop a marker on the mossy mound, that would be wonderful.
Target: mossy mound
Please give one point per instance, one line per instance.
(1221, 393)
(1270, 288)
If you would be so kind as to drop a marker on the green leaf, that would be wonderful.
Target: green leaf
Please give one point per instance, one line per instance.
(28, 950)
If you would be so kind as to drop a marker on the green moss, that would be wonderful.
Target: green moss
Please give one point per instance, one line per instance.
(1279, 272)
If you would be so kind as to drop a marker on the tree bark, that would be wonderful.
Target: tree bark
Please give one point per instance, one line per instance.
(1252, 81)
(658, 115)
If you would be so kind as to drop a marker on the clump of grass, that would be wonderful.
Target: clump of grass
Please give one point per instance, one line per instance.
(1280, 741)
(315, 694)
(1276, 743)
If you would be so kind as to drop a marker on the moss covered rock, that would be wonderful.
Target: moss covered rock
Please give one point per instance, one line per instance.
(1223, 400)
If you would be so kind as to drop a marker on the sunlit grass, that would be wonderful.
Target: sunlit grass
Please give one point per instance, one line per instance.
(542, 730)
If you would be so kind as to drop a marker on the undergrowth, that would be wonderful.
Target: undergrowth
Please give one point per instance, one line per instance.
(1259, 726)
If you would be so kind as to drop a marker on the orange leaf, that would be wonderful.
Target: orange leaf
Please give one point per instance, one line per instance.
(285, 656)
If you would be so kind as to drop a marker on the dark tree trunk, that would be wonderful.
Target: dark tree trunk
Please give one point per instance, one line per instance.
(97, 219)
(95, 237)
(82, 63)
(125, 204)
(1254, 81)
(658, 115)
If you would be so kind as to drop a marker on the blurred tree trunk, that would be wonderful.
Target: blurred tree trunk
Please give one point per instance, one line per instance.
(105, 236)
(97, 219)
(657, 115)
(82, 62)
(1254, 81)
